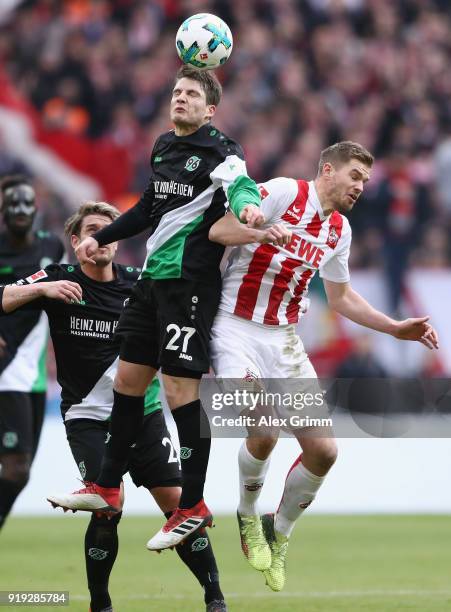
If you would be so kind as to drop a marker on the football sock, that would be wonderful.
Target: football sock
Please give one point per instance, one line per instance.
(101, 545)
(9, 491)
(126, 419)
(252, 476)
(197, 554)
(194, 451)
(299, 492)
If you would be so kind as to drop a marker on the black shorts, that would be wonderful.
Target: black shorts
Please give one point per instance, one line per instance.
(21, 418)
(153, 463)
(167, 323)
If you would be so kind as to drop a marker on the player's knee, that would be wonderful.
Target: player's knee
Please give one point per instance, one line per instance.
(180, 391)
(104, 522)
(320, 454)
(132, 379)
(167, 498)
(127, 385)
(327, 454)
(173, 397)
(16, 470)
(262, 447)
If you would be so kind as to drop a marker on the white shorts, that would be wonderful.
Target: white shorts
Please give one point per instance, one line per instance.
(271, 364)
(243, 349)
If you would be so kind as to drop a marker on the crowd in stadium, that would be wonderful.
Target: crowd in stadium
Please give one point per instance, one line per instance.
(303, 74)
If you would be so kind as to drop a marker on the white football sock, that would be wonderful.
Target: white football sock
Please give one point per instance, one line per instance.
(252, 476)
(299, 492)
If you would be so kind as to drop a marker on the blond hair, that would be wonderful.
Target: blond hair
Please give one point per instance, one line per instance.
(73, 224)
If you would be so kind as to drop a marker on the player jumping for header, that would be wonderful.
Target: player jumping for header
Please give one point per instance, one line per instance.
(254, 334)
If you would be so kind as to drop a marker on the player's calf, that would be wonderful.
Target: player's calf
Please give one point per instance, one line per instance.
(15, 474)
(252, 472)
(101, 547)
(301, 486)
(197, 554)
(253, 464)
(195, 440)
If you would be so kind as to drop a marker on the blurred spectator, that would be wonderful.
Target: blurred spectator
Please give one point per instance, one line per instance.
(443, 169)
(361, 363)
(434, 249)
(404, 206)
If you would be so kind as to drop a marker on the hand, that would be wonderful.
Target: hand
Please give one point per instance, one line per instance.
(3, 346)
(252, 215)
(276, 234)
(417, 329)
(86, 249)
(67, 291)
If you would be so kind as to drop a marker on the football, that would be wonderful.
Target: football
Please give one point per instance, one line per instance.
(204, 41)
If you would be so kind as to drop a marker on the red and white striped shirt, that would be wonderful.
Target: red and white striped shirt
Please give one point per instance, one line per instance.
(269, 284)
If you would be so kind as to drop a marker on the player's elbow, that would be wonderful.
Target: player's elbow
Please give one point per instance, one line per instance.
(336, 303)
(332, 305)
(339, 296)
(215, 235)
(6, 306)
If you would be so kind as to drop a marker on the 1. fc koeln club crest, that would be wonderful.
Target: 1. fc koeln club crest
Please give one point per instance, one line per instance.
(192, 163)
(332, 238)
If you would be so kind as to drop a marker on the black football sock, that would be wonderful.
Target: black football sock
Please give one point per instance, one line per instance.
(197, 554)
(101, 545)
(9, 491)
(126, 419)
(194, 451)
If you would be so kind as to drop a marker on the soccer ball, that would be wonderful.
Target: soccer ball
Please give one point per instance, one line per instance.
(204, 41)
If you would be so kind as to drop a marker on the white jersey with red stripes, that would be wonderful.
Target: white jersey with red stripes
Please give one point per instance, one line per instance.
(269, 284)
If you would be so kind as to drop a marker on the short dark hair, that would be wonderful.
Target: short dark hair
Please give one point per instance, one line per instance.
(342, 152)
(73, 224)
(12, 180)
(207, 80)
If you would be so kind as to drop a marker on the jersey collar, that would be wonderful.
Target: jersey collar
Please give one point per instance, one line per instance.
(314, 200)
(197, 136)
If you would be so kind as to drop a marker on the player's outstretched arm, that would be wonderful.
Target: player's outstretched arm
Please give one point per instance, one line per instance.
(344, 300)
(133, 222)
(230, 232)
(15, 296)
